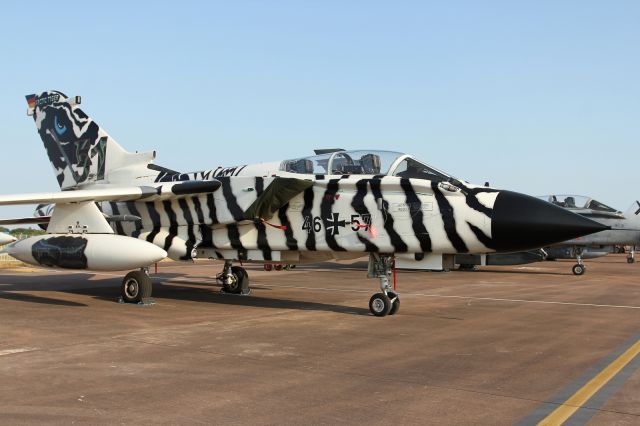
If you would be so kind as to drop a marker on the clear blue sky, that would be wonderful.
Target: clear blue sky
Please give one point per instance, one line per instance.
(538, 97)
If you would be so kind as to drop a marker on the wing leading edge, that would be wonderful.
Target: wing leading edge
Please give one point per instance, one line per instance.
(148, 193)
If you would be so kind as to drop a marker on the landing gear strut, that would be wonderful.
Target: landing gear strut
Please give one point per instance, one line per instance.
(235, 279)
(136, 287)
(579, 268)
(631, 258)
(387, 302)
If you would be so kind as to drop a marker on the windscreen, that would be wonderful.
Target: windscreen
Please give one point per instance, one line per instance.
(413, 169)
(597, 205)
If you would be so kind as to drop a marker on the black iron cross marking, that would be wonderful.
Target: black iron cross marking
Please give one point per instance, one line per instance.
(335, 224)
(638, 211)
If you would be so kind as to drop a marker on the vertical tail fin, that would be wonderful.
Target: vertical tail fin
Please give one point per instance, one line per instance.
(79, 150)
(634, 210)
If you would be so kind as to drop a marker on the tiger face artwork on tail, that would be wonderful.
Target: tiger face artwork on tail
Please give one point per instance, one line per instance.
(75, 144)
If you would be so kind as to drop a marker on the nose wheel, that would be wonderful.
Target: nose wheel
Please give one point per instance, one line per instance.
(395, 302)
(380, 305)
(578, 268)
(632, 255)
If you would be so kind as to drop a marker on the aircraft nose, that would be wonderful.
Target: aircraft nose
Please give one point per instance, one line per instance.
(522, 222)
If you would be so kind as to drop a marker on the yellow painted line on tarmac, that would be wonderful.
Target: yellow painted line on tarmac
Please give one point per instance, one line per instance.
(578, 399)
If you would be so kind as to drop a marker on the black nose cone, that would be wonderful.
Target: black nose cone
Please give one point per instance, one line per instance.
(522, 222)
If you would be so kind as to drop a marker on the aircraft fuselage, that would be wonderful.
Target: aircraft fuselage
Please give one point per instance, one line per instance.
(338, 214)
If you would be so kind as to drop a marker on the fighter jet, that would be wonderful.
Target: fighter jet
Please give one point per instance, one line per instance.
(117, 210)
(624, 230)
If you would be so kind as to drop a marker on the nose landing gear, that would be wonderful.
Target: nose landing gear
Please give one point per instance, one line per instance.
(387, 302)
(579, 268)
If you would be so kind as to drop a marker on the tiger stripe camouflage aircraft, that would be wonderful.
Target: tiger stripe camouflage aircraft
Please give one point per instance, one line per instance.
(117, 210)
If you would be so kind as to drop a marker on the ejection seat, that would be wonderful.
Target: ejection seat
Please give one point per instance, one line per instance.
(570, 202)
(302, 166)
(371, 164)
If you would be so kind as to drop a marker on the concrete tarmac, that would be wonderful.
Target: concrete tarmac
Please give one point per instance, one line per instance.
(495, 346)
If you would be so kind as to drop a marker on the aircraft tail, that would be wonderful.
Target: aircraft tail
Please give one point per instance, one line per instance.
(634, 210)
(80, 151)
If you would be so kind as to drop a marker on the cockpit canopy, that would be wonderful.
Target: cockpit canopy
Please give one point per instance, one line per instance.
(340, 162)
(578, 202)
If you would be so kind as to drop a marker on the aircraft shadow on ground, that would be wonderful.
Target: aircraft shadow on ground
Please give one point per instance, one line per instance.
(166, 286)
(362, 266)
(355, 266)
(22, 297)
(21, 283)
(512, 271)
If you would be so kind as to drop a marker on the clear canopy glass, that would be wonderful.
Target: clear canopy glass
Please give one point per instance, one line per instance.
(578, 202)
(364, 163)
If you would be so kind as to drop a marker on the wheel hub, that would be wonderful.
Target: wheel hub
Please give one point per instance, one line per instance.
(378, 305)
(132, 289)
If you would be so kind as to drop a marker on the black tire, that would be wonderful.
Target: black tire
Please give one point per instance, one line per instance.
(239, 282)
(395, 302)
(578, 269)
(631, 260)
(380, 304)
(136, 286)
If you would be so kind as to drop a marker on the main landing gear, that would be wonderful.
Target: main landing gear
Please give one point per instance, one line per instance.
(631, 258)
(387, 302)
(579, 268)
(235, 279)
(136, 287)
